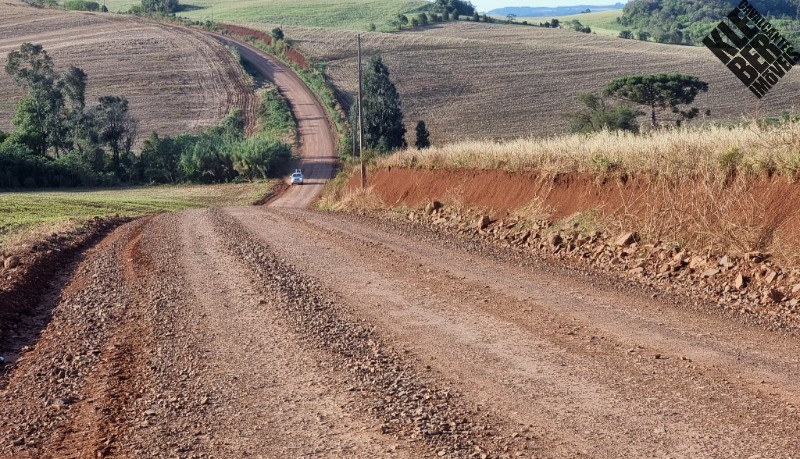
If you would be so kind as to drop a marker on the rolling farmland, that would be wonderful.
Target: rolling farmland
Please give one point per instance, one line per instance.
(601, 22)
(605, 295)
(353, 14)
(476, 81)
(176, 80)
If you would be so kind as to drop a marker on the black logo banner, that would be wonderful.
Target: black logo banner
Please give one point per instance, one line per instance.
(752, 49)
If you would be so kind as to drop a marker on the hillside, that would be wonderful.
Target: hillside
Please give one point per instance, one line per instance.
(528, 11)
(687, 21)
(601, 22)
(175, 81)
(354, 14)
(478, 81)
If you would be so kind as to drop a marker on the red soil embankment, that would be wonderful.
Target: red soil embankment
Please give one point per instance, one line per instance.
(290, 53)
(748, 212)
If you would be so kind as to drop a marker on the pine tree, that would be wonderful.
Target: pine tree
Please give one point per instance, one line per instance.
(383, 115)
(423, 136)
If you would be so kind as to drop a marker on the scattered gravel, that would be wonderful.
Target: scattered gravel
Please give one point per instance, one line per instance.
(407, 404)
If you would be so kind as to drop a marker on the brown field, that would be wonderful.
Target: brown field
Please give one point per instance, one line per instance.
(478, 81)
(176, 81)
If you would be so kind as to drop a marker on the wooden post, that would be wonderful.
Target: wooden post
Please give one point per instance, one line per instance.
(361, 119)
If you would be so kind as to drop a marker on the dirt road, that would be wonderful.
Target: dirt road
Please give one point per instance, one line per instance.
(261, 332)
(317, 142)
(282, 332)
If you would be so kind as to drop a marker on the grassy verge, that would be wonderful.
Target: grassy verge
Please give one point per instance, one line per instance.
(751, 148)
(26, 216)
(314, 78)
(275, 117)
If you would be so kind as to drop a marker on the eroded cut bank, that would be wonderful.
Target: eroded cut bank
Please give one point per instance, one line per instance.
(740, 215)
(734, 242)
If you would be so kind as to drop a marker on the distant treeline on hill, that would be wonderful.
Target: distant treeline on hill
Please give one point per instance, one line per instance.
(541, 11)
(686, 22)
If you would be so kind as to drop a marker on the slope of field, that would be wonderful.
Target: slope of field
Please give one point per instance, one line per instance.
(601, 22)
(469, 80)
(176, 80)
(351, 14)
(24, 215)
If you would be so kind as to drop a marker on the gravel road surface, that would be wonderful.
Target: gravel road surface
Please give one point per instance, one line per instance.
(283, 332)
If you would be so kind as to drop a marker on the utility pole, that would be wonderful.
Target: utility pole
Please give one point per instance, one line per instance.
(361, 119)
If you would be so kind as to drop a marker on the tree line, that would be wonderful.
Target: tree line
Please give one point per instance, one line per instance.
(60, 141)
(686, 22)
(384, 127)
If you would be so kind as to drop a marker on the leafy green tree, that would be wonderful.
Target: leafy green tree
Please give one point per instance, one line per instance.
(402, 20)
(598, 114)
(554, 23)
(160, 160)
(423, 19)
(423, 136)
(260, 158)
(642, 35)
(38, 116)
(277, 33)
(160, 6)
(476, 17)
(115, 126)
(659, 93)
(627, 34)
(463, 8)
(383, 116)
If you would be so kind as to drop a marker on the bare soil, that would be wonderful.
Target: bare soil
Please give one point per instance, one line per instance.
(492, 81)
(176, 79)
(740, 215)
(282, 332)
(216, 333)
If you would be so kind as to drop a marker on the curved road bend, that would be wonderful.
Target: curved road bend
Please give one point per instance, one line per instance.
(317, 141)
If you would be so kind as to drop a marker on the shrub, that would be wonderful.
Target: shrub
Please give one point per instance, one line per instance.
(81, 5)
(259, 157)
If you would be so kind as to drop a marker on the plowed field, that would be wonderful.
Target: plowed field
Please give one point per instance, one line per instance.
(177, 80)
(493, 81)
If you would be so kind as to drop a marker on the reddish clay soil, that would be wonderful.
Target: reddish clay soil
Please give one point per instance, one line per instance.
(764, 207)
(282, 332)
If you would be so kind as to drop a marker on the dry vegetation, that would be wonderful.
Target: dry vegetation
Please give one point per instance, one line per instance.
(478, 81)
(176, 80)
(674, 153)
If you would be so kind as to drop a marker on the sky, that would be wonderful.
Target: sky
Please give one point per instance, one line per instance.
(486, 5)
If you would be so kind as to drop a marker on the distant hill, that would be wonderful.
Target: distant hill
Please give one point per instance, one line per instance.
(538, 11)
(688, 21)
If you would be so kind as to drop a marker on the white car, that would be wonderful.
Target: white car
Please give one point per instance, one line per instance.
(297, 177)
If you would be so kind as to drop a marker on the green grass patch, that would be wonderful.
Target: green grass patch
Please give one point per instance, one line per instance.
(352, 14)
(275, 117)
(30, 212)
(601, 22)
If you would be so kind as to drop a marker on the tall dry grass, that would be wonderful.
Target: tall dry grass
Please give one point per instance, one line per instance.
(753, 148)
